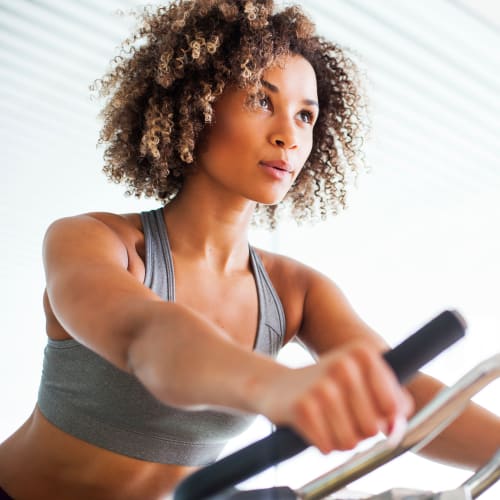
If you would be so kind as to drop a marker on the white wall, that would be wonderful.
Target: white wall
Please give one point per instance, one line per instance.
(421, 233)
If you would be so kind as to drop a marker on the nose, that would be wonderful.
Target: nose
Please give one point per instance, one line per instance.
(284, 136)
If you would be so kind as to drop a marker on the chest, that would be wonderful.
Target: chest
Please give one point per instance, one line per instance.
(230, 302)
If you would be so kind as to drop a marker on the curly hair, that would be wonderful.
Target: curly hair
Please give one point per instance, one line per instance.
(162, 86)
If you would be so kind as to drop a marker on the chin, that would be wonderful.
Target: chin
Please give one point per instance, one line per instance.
(268, 198)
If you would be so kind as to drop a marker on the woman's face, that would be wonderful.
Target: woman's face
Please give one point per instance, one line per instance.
(257, 152)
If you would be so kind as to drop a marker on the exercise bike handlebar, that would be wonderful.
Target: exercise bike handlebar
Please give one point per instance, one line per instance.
(422, 428)
(405, 360)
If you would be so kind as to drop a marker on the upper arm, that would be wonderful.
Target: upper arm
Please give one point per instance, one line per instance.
(329, 320)
(92, 294)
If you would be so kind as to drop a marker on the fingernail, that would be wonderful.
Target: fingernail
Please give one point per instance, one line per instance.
(397, 430)
(383, 427)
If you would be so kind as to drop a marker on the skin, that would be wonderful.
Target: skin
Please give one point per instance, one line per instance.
(349, 395)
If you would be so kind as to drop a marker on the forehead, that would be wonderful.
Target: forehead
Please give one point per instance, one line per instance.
(293, 75)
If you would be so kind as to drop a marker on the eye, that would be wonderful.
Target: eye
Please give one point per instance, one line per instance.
(306, 116)
(264, 102)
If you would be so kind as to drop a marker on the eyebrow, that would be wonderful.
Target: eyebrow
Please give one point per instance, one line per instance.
(274, 88)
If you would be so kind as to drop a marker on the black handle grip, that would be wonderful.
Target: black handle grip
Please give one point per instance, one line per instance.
(405, 360)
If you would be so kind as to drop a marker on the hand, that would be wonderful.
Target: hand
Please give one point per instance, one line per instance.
(349, 395)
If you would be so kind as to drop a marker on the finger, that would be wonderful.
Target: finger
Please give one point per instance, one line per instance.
(378, 384)
(364, 413)
(337, 415)
(387, 393)
(397, 430)
(408, 402)
(309, 421)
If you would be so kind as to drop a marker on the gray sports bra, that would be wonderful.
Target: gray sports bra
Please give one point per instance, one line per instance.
(89, 398)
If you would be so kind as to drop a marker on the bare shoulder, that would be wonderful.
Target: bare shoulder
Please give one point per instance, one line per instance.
(102, 232)
(124, 225)
(127, 227)
(286, 272)
(282, 268)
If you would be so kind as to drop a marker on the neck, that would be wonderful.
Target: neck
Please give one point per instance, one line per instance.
(207, 227)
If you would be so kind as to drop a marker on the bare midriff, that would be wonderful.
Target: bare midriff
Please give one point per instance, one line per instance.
(40, 461)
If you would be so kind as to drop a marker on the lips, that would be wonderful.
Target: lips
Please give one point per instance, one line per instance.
(278, 165)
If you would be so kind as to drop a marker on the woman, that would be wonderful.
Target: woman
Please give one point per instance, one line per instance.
(163, 325)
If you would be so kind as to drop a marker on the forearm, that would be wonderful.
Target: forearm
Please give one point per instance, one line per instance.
(187, 361)
(470, 440)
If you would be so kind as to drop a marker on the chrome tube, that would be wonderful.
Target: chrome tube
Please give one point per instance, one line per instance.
(422, 428)
(485, 477)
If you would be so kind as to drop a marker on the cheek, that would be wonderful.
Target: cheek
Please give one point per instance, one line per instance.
(229, 138)
(305, 154)
(221, 145)
(306, 148)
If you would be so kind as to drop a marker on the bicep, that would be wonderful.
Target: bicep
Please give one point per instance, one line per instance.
(329, 321)
(91, 292)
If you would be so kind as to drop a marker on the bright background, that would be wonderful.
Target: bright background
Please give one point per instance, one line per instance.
(421, 232)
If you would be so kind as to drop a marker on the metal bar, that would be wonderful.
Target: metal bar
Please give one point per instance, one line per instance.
(485, 477)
